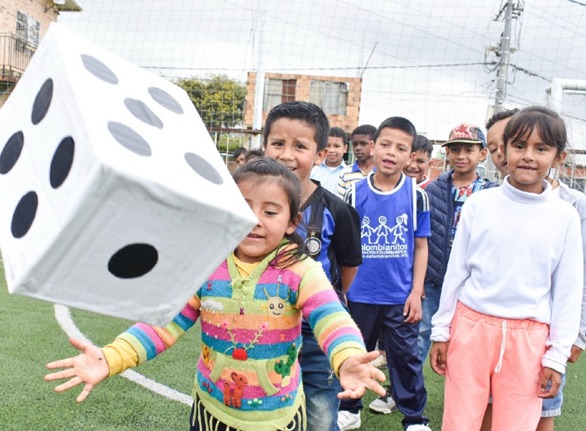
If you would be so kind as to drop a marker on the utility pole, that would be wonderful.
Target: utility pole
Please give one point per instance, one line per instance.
(260, 75)
(504, 54)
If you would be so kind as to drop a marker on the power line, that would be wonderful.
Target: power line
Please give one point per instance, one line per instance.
(416, 66)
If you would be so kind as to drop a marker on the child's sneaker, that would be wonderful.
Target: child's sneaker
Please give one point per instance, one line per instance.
(348, 420)
(384, 405)
(418, 428)
(379, 362)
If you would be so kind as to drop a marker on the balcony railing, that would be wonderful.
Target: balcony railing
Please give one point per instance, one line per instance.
(15, 55)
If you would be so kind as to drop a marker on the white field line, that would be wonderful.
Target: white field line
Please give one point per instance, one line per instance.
(64, 319)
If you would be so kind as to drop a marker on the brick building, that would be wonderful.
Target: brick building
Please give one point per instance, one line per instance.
(23, 24)
(339, 97)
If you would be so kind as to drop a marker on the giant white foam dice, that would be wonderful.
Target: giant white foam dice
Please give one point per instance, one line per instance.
(114, 197)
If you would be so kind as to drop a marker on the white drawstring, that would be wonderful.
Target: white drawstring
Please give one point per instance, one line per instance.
(503, 345)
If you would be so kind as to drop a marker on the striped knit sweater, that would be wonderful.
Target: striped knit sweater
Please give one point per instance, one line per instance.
(248, 376)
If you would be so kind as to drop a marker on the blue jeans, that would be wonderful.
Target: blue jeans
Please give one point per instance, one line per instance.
(552, 407)
(320, 384)
(429, 306)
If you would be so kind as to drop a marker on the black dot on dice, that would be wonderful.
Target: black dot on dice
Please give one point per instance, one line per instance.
(129, 139)
(143, 112)
(24, 214)
(11, 152)
(99, 69)
(133, 260)
(42, 102)
(61, 162)
(165, 100)
(203, 168)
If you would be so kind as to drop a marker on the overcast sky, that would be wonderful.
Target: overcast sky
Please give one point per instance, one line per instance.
(419, 59)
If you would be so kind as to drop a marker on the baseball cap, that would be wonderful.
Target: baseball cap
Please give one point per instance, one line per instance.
(467, 134)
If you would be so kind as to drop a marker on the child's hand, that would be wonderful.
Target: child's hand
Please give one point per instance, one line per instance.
(412, 310)
(575, 354)
(438, 357)
(89, 367)
(550, 383)
(357, 374)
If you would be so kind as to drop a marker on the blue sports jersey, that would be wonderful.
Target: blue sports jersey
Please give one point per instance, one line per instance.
(390, 222)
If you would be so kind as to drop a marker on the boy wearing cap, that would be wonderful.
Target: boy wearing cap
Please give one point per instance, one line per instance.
(465, 148)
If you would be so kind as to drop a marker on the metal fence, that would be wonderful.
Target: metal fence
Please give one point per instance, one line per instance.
(15, 55)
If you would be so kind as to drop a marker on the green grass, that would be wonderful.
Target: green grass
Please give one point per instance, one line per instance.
(31, 337)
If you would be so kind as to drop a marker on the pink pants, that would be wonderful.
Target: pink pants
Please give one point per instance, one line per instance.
(487, 355)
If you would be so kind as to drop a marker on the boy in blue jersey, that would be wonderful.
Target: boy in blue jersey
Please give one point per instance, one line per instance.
(385, 296)
(296, 134)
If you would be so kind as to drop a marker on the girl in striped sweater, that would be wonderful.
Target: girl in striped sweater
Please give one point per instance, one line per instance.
(248, 376)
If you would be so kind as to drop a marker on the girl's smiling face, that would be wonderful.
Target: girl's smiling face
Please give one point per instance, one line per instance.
(529, 160)
(269, 203)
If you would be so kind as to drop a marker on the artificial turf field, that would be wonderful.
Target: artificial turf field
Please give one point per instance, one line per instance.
(31, 337)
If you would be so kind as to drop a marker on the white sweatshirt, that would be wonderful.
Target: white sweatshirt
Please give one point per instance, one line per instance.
(517, 255)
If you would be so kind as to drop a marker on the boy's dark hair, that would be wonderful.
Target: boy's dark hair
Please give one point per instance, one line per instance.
(550, 127)
(253, 155)
(307, 112)
(398, 123)
(259, 171)
(238, 152)
(364, 129)
(421, 143)
(500, 116)
(338, 132)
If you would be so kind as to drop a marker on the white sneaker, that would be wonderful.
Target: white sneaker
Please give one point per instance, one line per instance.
(418, 428)
(379, 362)
(348, 421)
(384, 405)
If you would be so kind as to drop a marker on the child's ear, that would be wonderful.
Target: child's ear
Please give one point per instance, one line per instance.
(559, 159)
(321, 155)
(293, 224)
(483, 154)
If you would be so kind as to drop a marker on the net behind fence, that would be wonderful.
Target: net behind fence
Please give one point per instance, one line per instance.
(435, 63)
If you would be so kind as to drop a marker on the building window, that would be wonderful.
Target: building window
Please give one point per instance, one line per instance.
(278, 91)
(330, 96)
(28, 29)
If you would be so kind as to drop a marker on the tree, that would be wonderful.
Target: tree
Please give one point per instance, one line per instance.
(218, 99)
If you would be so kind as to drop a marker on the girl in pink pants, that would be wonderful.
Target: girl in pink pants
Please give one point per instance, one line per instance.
(510, 303)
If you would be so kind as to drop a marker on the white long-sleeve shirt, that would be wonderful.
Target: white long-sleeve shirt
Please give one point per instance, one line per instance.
(517, 255)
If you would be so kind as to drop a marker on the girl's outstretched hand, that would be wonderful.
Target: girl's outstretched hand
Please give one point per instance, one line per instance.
(89, 367)
(357, 374)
